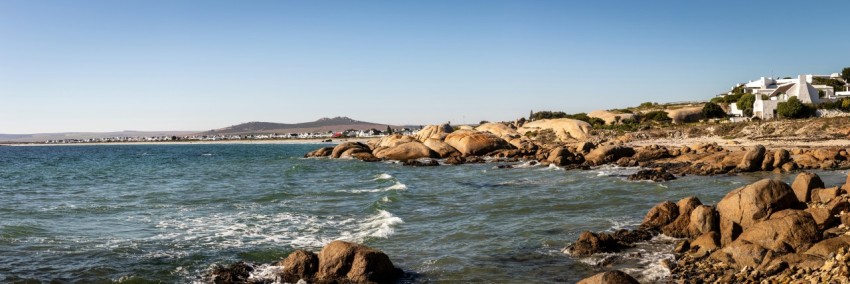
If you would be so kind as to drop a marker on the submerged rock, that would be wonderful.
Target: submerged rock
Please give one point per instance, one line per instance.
(656, 175)
(609, 277)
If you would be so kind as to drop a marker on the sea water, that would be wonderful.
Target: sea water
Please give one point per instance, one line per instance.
(167, 213)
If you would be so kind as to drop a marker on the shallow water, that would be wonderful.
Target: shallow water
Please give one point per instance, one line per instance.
(166, 213)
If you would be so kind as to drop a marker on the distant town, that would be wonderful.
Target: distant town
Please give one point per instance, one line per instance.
(351, 133)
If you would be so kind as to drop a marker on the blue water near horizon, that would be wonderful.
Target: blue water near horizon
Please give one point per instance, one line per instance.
(167, 213)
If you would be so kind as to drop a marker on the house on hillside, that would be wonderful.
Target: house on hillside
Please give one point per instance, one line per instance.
(770, 92)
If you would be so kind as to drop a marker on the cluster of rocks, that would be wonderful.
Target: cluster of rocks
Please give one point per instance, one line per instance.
(765, 231)
(505, 143)
(338, 262)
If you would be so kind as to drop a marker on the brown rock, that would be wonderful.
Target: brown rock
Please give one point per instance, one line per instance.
(788, 230)
(789, 166)
(561, 156)
(823, 218)
(339, 149)
(589, 243)
(803, 185)
(498, 129)
(704, 219)
(825, 194)
(609, 277)
(767, 163)
(405, 151)
(647, 154)
(661, 214)
(607, 154)
(679, 227)
(755, 202)
(438, 132)
(705, 244)
(780, 157)
(439, 147)
(825, 154)
(321, 152)
(300, 264)
(828, 246)
(806, 161)
(476, 143)
(752, 160)
(342, 261)
(741, 253)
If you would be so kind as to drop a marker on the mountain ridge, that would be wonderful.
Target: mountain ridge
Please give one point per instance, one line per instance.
(325, 124)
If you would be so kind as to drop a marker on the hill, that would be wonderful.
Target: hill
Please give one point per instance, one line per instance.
(335, 124)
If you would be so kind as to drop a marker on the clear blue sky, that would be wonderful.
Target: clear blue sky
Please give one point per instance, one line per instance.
(197, 65)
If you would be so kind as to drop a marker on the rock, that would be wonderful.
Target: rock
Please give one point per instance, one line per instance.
(589, 243)
(806, 161)
(454, 160)
(787, 230)
(342, 261)
(439, 147)
(755, 202)
(661, 214)
(780, 157)
(828, 246)
(347, 146)
(561, 156)
(423, 163)
(405, 151)
(846, 186)
(321, 152)
(823, 218)
(704, 219)
(585, 147)
(234, 273)
(825, 154)
(438, 132)
(476, 143)
(825, 194)
(679, 227)
(498, 129)
(789, 166)
(565, 129)
(752, 160)
(300, 264)
(394, 140)
(609, 277)
(741, 253)
(656, 175)
(803, 185)
(704, 244)
(607, 154)
(767, 163)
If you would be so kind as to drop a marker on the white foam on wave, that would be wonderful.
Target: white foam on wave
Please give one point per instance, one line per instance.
(381, 225)
(552, 167)
(383, 177)
(265, 272)
(396, 186)
(613, 170)
(644, 260)
(527, 164)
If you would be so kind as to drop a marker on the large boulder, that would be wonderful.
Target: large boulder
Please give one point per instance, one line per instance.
(609, 277)
(806, 161)
(705, 244)
(679, 227)
(787, 231)
(394, 140)
(347, 146)
(343, 262)
(474, 143)
(828, 246)
(442, 149)
(741, 253)
(611, 118)
(607, 154)
(565, 129)
(498, 129)
(752, 203)
(780, 157)
(300, 264)
(752, 161)
(561, 156)
(803, 185)
(433, 131)
(589, 243)
(704, 219)
(321, 152)
(405, 151)
(661, 214)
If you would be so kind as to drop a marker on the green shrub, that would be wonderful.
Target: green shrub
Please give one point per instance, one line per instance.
(657, 115)
(745, 104)
(793, 108)
(712, 110)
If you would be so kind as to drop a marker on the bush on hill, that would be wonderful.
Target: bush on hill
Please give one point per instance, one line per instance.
(657, 115)
(712, 110)
(793, 108)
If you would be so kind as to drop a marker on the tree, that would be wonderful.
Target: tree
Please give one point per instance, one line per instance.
(845, 104)
(745, 103)
(712, 110)
(845, 74)
(389, 130)
(793, 108)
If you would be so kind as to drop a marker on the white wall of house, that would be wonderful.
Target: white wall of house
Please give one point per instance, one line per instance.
(734, 110)
(765, 109)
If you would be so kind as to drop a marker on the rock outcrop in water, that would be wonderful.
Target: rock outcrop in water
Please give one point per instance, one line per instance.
(338, 262)
(764, 232)
(566, 145)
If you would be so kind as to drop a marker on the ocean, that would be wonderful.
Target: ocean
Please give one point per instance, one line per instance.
(168, 213)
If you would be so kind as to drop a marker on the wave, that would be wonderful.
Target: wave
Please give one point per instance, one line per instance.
(615, 171)
(383, 177)
(378, 226)
(646, 260)
(396, 186)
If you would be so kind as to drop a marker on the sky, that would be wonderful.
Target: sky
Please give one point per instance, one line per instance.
(197, 65)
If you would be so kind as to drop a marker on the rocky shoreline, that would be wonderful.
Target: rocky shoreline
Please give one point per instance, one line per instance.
(764, 232)
(570, 146)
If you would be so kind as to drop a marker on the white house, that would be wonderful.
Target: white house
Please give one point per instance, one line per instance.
(770, 92)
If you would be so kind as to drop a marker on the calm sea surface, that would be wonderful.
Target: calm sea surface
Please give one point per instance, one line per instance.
(166, 213)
